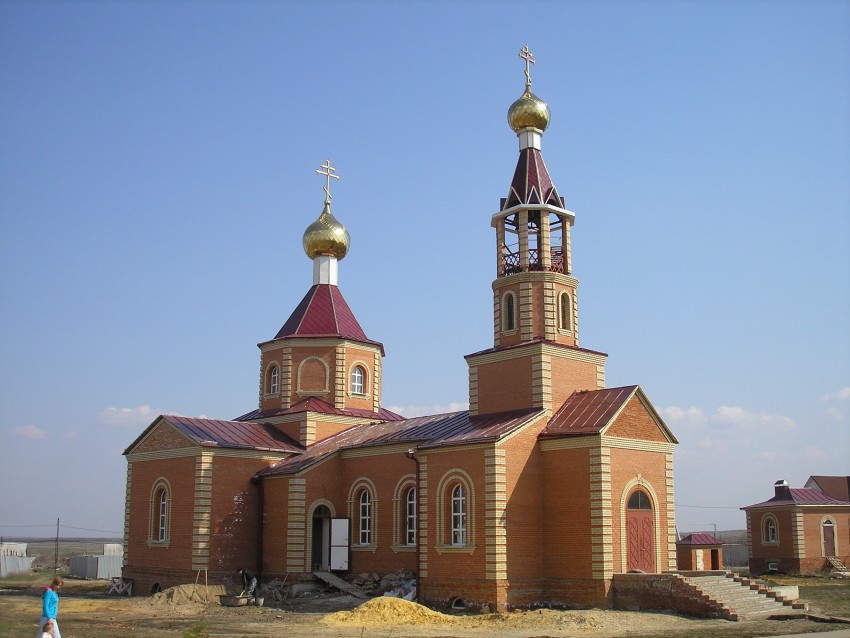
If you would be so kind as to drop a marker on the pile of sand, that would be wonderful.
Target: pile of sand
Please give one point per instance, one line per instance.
(183, 594)
(387, 611)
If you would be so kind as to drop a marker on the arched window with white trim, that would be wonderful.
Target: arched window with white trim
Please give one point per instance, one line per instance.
(410, 516)
(273, 385)
(769, 530)
(358, 380)
(365, 501)
(159, 521)
(458, 515)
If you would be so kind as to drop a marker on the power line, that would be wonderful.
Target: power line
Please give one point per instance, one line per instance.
(709, 507)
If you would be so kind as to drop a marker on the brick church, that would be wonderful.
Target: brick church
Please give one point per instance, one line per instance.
(544, 488)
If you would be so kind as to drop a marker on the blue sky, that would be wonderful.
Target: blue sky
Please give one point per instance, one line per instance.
(157, 172)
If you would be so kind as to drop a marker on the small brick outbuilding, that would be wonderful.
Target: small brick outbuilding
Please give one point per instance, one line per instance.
(699, 552)
(800, 530)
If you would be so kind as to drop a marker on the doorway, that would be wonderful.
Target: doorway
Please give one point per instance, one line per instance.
(828, 528)
(640, 533)
(320, 559)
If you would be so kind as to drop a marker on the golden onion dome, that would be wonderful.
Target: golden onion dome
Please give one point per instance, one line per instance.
(326, 236)
(528, 110)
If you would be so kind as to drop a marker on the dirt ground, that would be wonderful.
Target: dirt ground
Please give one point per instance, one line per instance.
(85, 611)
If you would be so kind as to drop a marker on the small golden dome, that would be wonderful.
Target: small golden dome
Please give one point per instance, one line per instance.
(528, 110)
(326, 236)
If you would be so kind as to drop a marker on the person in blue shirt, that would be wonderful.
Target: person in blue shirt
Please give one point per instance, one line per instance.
(49, 607)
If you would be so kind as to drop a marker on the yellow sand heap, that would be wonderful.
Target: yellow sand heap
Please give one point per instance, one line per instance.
(387, 611)
(183, 594)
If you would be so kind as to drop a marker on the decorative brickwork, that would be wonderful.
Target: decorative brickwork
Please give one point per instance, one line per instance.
(203, 511)
(423, 495)
(297, 558)
(494, 519)
(127, 492)
(600, 511)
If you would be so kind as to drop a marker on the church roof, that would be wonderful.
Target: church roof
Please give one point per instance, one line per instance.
(799, 496)
(531, 183)
(699, 538)
(591, 411)
(588, 412)
(439, 430)
(226, 434)
(323, 312)
(312, 404)
(837, 487)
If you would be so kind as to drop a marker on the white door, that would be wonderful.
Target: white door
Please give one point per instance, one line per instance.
(340, 551)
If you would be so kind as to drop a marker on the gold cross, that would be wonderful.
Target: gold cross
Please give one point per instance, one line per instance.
(526, 55)
(328, 173)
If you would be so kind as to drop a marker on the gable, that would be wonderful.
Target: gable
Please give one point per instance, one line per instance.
(636, 421)
(161, 436)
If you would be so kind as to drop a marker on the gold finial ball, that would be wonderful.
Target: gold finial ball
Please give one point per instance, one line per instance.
(528, 110)
(326, 236)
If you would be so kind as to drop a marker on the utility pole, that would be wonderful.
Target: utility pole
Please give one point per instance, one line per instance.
(56, 550)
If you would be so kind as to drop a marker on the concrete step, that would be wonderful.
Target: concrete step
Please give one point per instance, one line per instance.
(743, 597)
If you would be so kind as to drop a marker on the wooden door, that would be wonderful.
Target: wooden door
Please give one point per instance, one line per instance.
(640, 533)
(828, 538)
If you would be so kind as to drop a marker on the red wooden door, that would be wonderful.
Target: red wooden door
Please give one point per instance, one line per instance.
(640, 530)
(828, 539)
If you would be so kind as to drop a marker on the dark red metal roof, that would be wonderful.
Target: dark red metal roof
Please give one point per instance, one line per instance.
(699, 538)
(439, 430)
(229, 434)
(313, 404)
(323, 312)
(800, 496)
(588, 412)
(837, 487)
(531, 183)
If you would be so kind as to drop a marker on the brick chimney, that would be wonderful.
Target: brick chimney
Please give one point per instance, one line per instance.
(781, 488)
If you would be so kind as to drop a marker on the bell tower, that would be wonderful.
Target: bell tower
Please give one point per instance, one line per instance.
(535, 360)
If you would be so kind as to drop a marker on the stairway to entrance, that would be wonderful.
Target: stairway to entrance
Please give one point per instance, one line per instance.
(740, 598)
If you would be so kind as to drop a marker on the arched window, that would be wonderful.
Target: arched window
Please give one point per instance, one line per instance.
(159, 527)
(274, 380)
(162, 531)
(565, 311)
(769, 531)
(358, 380)
(365, 518)
(508, 312)
(410, 517)
(458, 515)
(639, 501)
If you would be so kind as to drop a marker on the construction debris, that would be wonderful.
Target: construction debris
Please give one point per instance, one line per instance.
(400, 584)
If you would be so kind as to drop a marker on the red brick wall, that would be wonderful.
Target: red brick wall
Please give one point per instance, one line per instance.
(325, 429)
(569, 376)
(566, 501)
(634, 422)
(177, 555)
(504, 385)
(276, 516)
(235, 502)
(525, 491)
